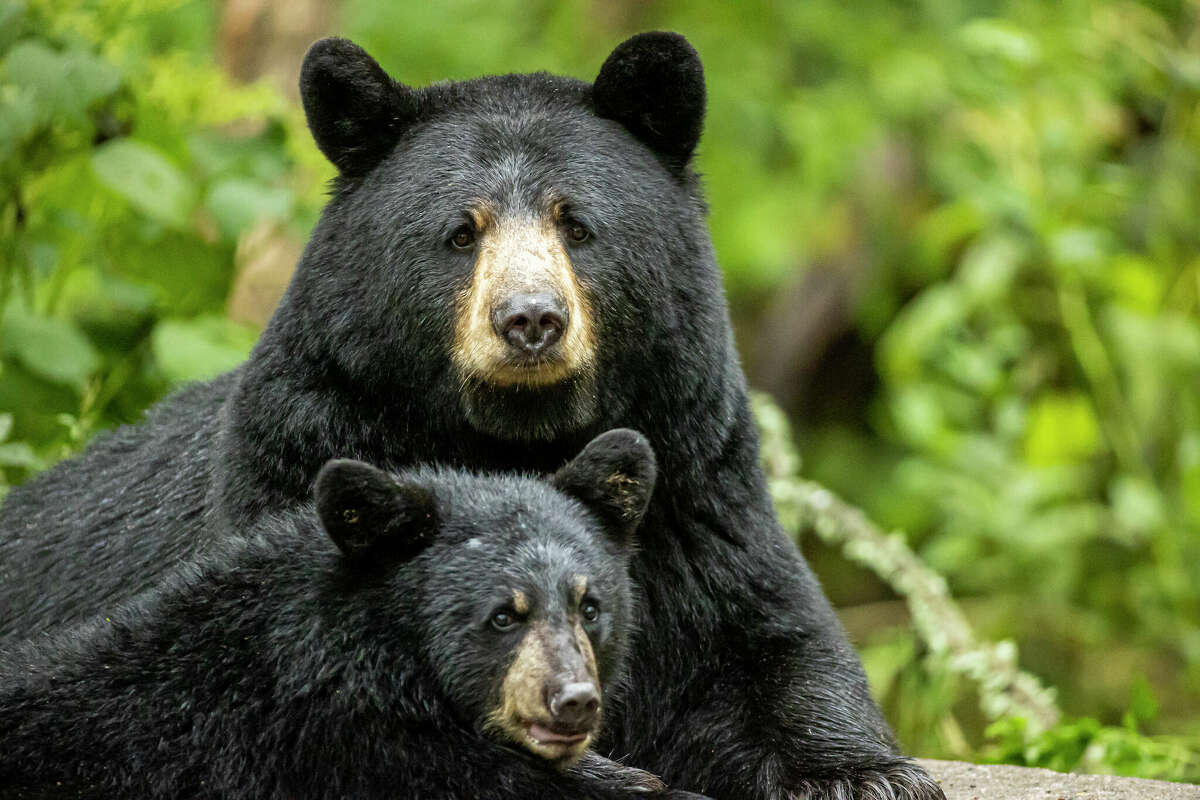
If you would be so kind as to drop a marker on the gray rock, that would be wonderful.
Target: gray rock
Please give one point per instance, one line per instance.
(963, 781)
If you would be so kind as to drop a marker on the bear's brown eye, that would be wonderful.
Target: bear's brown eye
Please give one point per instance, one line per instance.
(463, 238)
(590, 610)
(503, 620)
(577, 233)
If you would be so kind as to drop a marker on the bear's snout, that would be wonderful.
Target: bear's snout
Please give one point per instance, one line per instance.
(530, 323)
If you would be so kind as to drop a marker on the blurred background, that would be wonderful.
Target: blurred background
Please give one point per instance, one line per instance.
(961, 242)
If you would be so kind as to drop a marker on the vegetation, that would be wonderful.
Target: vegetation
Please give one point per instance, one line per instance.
(1001, 194)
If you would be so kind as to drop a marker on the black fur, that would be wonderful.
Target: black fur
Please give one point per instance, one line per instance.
(744, 684)
(363, 509)
(278, 667)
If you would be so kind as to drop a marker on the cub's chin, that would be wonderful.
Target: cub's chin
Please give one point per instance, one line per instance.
(519, 412)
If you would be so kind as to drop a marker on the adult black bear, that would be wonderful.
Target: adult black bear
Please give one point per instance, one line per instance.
(283, 666)
(507, 266)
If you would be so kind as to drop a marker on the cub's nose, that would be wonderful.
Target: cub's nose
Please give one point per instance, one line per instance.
(530, 323)
(576, 705)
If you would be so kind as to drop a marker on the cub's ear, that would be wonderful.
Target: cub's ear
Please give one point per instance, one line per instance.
(614, 477)
(653, 84)
(363, 509)
(355, 111)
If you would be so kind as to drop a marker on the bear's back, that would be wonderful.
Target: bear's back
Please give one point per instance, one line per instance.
(102, 526)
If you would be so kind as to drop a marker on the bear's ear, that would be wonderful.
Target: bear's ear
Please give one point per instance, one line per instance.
(614, 477)
(653, 84)
(355, 111)
(364, 509)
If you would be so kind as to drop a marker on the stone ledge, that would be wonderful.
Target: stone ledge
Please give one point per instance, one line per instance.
(963, 781)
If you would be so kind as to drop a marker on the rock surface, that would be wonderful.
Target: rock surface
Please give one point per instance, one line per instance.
(963, 781)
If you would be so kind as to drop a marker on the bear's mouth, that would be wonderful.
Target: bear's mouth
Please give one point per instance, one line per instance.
(552, 741)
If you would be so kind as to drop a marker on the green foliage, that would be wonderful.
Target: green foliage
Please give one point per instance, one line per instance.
(1040, 392)
(1086, 745)
(1026, 727)
(129, 168)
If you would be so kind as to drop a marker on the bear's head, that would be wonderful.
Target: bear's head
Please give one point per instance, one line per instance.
(525, 603)
(506, 246)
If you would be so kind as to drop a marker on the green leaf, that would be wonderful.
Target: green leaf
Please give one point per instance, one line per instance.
(1143, 706)
(1062, 428)
(1137, 503)
(18, 454)
(51, 348)
(1080, 249)
(200, 348)
(66, 83)
(1001, 39)
(238, 203)
(12, 22)
(1135, 283)
(147, 179)
(99, 301)
(19, 118)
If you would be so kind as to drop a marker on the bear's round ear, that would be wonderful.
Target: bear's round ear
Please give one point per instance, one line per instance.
(363, 509)
(355, 111)
(653, 84)
(613, 476)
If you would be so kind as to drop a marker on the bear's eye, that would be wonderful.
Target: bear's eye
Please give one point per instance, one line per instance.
(463, 237)
(577, 233)
(503, 619)
(590, 610)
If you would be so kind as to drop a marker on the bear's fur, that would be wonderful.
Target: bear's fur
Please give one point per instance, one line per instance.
(457, 642)
(506, 267)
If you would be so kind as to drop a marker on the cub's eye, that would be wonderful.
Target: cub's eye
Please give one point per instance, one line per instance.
(590, 610)
(503, 620)
(463, 238)
(577, 233)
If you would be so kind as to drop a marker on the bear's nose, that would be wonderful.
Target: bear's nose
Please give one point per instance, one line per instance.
(530, 323)
(576, 705)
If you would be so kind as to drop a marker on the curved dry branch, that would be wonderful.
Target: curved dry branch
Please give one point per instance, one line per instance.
(1004, 689)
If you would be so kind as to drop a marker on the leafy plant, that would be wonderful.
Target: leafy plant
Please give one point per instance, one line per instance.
(129, 170)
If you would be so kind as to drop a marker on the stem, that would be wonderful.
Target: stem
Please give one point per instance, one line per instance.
(1097, 368)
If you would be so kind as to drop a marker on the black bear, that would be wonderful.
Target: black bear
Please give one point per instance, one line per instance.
(507, 266)
(457, 642)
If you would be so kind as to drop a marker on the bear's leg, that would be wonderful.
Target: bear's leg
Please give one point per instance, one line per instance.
(734, 733)
(829, 741)
(759, 695)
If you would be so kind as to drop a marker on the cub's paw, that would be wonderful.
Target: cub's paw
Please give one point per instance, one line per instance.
(902, 780)
(594, 767)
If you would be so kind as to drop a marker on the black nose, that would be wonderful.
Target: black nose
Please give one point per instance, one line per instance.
(530, 322)
(576, 705)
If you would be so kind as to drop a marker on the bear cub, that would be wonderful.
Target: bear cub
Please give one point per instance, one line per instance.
(436, 634)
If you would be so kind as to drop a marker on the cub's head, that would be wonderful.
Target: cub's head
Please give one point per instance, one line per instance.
(519, 240)
(525, 603)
